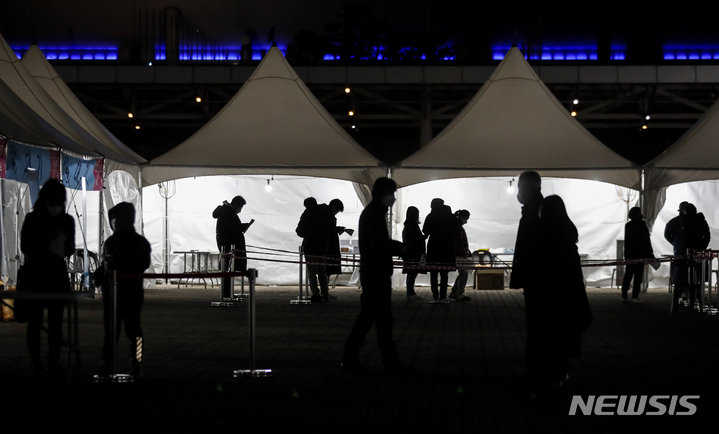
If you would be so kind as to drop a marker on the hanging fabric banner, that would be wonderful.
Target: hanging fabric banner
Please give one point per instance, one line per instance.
(16, 159)
(74, 169)
(3, 156)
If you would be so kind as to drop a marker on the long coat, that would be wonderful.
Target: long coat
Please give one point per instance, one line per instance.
(441, 227)
(413, 237)
(46, 241)
(230, 230)
(559, 302)
(526, 237)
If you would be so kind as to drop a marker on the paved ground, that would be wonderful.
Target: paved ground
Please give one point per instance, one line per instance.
(465, 356)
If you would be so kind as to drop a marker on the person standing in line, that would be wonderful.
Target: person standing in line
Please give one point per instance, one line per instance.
(414, 239)
(125, 251)
(529, 194)
(47, 237)
(561, 306)
(334, 253)
(441, 227)
(376, 266)
(696, 237)
(674, 234)
(463, 257)
(231, 231)
(637, 245)
(313, 227)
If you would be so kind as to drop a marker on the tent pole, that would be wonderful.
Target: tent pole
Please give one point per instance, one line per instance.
(642, 206)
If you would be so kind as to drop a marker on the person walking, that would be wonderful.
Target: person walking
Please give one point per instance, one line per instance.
(463, 257)
(376, 266)
(637, 245)
(529, 194)
(561, 306)
(414, 239)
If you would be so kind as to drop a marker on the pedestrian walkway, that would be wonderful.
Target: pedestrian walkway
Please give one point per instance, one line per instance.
(465, 356)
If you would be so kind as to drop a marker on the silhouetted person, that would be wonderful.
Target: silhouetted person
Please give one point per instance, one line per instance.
(376, 266)
(231, 231)
(696, 237)
(463, 257)
(314, 228)
(562, 309)
(47, 238)
(529, 194)
(125, 251)
(636, 246)
(441, 227)
(414, 240)
(333, 247)
(674, 233)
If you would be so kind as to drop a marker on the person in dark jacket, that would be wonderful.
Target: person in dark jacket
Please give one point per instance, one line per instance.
(529, 194)
(125, 251)
(696, 237)
(636, 246)
(414, 240)
(674, 234)
(231, 231)
(47, 237)
(463, 257)
(333, 245)
(313, 227)
(441, 227)
(562, 310)
(376, 266)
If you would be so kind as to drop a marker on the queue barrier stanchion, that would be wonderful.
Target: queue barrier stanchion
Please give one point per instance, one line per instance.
(113, 377)
(301, 299)
(253, 371)
(223, 269)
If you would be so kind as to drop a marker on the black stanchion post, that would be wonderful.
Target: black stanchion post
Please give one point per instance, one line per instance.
(253, 371)
(223, 269)
(301, 299)
(114, 377)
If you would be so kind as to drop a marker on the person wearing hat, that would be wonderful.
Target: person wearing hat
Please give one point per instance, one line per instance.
(674, 233)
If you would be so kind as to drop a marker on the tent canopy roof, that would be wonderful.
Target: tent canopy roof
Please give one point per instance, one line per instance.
(45, 75)
(514, 123)
(56, 127)
(273, 125)
(693, 157)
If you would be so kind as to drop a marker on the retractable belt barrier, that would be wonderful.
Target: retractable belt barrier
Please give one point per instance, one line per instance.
(251, 275)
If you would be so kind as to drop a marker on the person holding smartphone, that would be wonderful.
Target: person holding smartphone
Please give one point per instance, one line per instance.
(231, 231)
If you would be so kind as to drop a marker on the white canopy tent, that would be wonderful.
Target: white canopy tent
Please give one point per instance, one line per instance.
(38, 109)
(272, 126)
(514, 123)
(56, 127)
(693, 157)
(113, 150)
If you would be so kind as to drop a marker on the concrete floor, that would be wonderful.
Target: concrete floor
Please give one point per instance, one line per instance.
(465, 356)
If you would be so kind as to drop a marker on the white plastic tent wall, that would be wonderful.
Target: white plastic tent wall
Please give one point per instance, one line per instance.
(514, 123)
(273, 126)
